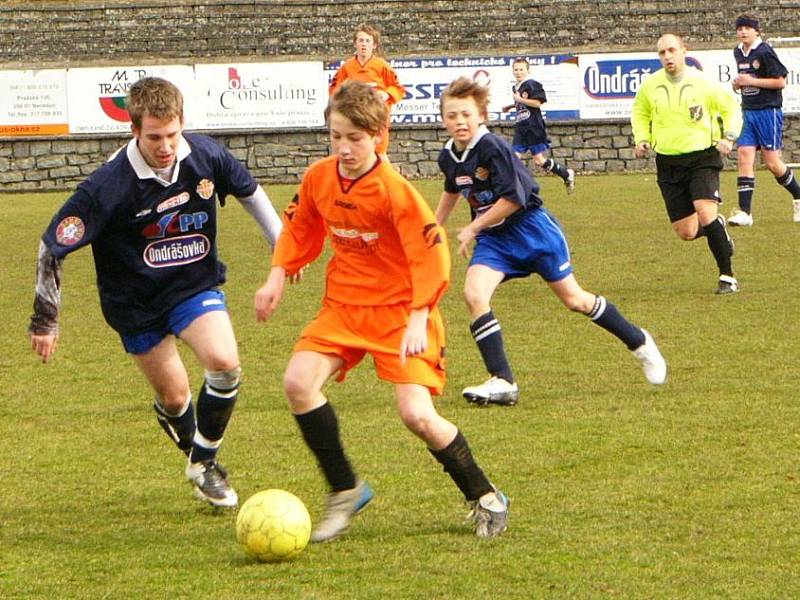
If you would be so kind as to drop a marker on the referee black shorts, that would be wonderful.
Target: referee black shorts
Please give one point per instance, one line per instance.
(684, 178)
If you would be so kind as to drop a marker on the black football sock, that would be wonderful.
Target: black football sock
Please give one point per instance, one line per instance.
(180, 428)
(789, 181)
(458, 462)
(552, 166)
(606, 315)
(214, 409)
(720, 245)
(320, 429)
(489, 336)
(746, 186)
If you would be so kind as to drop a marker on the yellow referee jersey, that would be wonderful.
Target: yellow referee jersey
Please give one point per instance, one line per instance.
(682, 117)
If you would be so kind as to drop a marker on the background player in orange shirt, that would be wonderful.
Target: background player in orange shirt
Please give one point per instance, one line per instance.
(390, 267)
(371, 69)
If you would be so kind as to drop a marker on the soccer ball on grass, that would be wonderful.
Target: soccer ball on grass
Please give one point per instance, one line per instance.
(273, 525)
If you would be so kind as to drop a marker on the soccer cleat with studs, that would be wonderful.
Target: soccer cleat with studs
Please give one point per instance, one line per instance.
(653, 364)
(727, 285)
(341, 507)
(494, 390)
(489, 514)
(739, 218)
(210, 482)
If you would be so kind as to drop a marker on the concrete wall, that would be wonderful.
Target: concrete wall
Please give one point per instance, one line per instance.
(70, 34)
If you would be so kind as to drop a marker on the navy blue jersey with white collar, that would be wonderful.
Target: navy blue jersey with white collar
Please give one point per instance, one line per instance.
(529, 119)
(486, 171)
(760, 61)
(153, 241)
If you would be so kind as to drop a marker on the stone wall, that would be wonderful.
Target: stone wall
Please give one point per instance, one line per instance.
(60, 33)
(127, 32)
(282, 156)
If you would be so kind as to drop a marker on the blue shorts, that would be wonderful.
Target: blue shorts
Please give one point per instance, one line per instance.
(534, 244)
(534, 149)
(178, 319)
(762, 128)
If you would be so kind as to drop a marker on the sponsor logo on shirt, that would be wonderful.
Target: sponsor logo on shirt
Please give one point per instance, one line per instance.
(463, 180)
(181, 198)
(345, 204)
(354, 239)
(205, 189)
(70, 231)
(177, 251)
(175, 222)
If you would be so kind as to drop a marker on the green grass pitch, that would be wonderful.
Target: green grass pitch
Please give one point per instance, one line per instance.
(619, 489)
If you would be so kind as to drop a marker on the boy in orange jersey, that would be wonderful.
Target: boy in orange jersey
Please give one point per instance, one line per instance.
(371, 69)
(389, 269)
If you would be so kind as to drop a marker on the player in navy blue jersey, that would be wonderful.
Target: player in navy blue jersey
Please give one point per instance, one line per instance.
(150, 215)
(514, 236)
(530, 134)
(760, 79)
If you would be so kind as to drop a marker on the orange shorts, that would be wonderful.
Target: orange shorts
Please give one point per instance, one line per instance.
(350, 332)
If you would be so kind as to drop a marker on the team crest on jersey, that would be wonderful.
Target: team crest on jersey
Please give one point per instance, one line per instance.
(481, 173)
(70, 231)
(696, 112)
(756, 64)
(181, 198)
(463, 180)
(205, 189)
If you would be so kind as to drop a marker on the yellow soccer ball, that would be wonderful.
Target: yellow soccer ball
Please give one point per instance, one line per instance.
(273, 525)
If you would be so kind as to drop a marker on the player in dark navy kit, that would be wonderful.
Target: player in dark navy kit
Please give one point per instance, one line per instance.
(514, 236)
(760, 79)
(150, 215)
(530, 134)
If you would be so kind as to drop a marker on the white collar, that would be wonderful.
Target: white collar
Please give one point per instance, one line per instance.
(482, 131)
(145, 171)
(756, 43)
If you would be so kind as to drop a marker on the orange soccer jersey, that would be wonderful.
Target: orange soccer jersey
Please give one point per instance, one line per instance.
(377, 73)
(389, 256)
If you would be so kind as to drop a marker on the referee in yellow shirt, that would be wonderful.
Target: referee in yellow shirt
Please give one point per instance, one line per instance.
(691, 123)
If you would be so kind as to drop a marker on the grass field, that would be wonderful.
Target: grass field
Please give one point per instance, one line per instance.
(619, 489)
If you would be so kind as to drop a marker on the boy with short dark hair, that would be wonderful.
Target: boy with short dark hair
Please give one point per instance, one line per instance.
(761, 77)
(530, 133)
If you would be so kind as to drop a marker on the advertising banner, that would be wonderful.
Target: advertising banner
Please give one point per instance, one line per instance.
(96, 96)
(261, 95)
(33, 102)
(426, 78)
(608, 82)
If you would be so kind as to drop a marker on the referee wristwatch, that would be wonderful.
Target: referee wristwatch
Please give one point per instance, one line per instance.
(730, 136)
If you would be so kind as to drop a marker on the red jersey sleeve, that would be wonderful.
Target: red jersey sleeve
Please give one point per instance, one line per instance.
(303, 235)
(391, 84)
(424, 244)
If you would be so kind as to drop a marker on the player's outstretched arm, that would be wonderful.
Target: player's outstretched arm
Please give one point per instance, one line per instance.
(43, 329)
(415, 337)
(259, 206)
(446, 204)
(269, 295)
